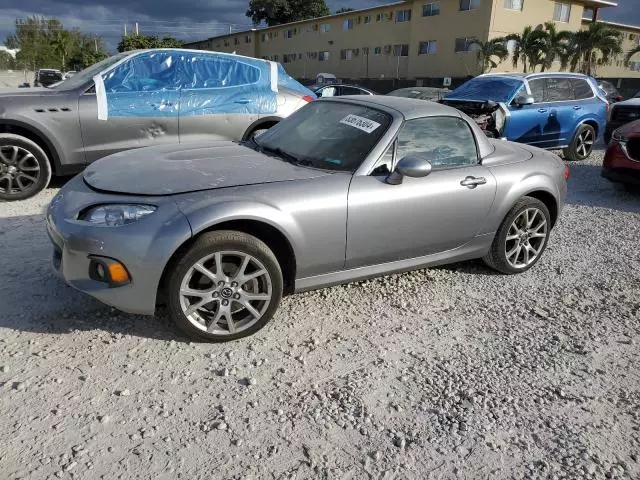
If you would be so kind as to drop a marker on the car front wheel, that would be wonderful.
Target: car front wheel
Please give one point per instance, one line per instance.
(582, 144)
(24, 168)
(226, 286)
(522, 237)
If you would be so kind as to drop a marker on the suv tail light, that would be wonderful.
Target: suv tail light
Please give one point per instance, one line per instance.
(566, 173)
(308, 98)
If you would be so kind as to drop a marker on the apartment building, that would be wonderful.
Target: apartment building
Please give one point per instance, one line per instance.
(411, 39)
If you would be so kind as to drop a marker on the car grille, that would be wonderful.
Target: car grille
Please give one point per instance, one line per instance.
(624, 114)
(633, 148)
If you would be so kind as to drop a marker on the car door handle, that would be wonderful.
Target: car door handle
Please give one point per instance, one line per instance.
(161, 105)
(473, 182)
(243, 101)
(542, 110)
(577, 107)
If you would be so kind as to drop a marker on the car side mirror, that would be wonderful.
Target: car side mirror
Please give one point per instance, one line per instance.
(410, 166)
(523, 100)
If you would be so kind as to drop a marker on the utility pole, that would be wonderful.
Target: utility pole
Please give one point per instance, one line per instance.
(95, 41)
(137, 28)
(230, 29)
(125, 29)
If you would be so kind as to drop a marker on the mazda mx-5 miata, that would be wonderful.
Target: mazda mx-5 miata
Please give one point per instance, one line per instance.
(344, 189)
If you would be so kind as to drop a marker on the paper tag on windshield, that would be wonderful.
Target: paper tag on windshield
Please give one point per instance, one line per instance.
(360, 123)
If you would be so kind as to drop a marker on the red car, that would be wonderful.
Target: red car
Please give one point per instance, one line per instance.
(622, 160)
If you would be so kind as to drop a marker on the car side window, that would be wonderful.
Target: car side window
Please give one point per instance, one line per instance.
(144, 73)
(537, 89)
(327, 92)
(581, 89)
(446, 142)
(352, 91)
(558, 89)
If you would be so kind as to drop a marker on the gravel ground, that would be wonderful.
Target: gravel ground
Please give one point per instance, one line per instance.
(450, 372)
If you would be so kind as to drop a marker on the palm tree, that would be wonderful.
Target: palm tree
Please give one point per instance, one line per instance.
(597, 45)
(530, 47)
(555, 46)
(61, 45)
(630, 54)
(487, 51)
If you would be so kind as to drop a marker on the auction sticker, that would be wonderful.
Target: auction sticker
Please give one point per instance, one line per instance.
(360, 123)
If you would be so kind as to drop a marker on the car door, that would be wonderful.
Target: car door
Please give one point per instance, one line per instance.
(563, 111)
(527, 122)
(142, 103)
(421, 216)
(224, 98)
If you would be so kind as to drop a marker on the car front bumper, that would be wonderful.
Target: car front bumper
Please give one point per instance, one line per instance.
(143, 247)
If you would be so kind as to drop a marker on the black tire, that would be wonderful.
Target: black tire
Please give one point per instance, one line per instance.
(632, 188)
(208, 244)
(575, 152)
(497, 256)
(12, 174)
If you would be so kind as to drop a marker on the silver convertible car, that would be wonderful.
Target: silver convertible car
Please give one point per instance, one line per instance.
(344, 189)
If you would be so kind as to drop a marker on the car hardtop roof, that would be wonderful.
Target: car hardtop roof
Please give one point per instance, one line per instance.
(204, 52)
(49, 70)
(409, 108)
(534, 75)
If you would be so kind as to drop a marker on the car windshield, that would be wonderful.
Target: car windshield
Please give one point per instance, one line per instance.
(497, 89)
(327, 135)
(83, 77)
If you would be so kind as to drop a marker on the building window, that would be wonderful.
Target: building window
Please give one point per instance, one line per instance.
(263, 37)
(325, 27)
(226, 43)
(431, 9)
(401, 50)
(403, 16)
(388, 16)
(466, 5)
(634, 66)
(236, 41)
(511, 46)
(464, 44)
(379, 17)
(427, 48)
(347, 24)
(514, 4)
(367, 19)
(289, 33)
(562, 12)
(247, 39)
(377, 51)
(323, 56)
(346, 54)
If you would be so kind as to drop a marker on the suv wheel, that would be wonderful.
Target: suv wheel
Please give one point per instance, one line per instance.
(24, 168)
(582, 144)
(226, 286)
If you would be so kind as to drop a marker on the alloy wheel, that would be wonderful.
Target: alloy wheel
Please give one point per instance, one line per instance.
(226, 292)
(585, 142)
(19, 170)
(526, 238)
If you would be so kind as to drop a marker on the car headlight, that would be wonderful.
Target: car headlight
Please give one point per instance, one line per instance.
(618, 137)
(116, 215)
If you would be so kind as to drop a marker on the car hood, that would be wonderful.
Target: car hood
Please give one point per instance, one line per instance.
(174, 169)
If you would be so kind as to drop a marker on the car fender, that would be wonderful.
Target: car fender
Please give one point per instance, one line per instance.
(203, 216)
(510, 190)
(41, 131)
(590, 117)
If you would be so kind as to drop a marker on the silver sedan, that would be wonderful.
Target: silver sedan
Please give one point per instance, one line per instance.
(343, 190)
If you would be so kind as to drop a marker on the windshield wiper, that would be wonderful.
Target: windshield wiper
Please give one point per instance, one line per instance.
(282, 154)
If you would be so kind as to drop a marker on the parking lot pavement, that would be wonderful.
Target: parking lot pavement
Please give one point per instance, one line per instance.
(452, 372)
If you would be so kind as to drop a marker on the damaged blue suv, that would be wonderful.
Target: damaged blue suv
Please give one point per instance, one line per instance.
(548, 110)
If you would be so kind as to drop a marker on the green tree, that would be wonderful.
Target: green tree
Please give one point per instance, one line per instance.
(7, 62)
(62, 45)
(139, 42)
(89, 50)
(555, 46)
(530, 47)
(630, 54)
(344, 10)
(597, 45)
(277, 12)
(490, 50)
